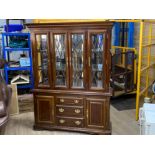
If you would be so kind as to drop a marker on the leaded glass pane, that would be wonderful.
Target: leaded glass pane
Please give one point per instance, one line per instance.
(77, 60)
(41, 41)
(60, 57)
(97, 60)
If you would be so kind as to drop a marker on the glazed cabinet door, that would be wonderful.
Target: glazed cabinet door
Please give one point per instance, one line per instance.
(44, 109)
(42, 61)
(97, 59)
(77, 58)
(96, 113)
(60, 60)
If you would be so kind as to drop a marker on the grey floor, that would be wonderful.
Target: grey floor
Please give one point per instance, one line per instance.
(122, 118)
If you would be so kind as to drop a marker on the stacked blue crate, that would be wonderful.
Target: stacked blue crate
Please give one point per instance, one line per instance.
(129, 30)
(130, 37)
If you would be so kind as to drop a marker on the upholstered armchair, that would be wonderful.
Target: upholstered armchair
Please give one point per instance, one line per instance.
(5, 97)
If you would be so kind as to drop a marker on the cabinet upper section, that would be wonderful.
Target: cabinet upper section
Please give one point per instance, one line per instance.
(71, 55)
(71, 25)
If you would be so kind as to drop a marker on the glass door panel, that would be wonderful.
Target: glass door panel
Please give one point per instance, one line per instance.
(77, 60)
(96, 58)
(42, 59)
(60, 60)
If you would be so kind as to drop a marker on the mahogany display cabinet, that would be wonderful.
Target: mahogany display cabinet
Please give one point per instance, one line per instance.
(71, 66)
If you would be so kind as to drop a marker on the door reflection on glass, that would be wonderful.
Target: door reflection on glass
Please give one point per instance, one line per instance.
(41, 41)
(77, 52)
(60, 58)
(97, 50)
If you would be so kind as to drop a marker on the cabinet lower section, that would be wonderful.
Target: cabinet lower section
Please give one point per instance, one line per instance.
(80, 113)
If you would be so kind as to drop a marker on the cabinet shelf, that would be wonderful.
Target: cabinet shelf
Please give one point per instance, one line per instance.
(96, 70)
(61, 68)
(97, 50)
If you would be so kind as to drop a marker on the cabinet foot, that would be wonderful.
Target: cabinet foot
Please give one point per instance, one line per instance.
(37, 128)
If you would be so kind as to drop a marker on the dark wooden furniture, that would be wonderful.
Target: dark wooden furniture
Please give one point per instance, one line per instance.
(5, 97)
(71, 64)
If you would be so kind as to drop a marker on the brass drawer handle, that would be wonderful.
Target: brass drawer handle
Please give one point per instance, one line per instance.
(87, 113)
(62, 121)
(76, 101)
(61, 100)
(77, 122)
(89, 61)
(77, 111)
(61, 110)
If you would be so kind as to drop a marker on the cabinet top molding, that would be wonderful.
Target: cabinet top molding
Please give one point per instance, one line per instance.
(102, 24)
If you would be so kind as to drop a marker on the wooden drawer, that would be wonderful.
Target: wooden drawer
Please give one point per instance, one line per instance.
(69, 100)
(70, 122)
(73, 111)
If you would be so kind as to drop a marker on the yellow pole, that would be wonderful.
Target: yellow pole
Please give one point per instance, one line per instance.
(148, 60)
(123, 62)
(135, 69)
(139, 68)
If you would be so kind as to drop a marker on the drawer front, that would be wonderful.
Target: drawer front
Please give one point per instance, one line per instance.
(69, 111)
(70, 122)
(69, 100)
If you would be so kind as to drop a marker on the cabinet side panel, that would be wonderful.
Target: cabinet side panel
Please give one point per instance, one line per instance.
(45, 109)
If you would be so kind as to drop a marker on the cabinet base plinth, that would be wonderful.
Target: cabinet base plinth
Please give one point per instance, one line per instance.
(70, 129)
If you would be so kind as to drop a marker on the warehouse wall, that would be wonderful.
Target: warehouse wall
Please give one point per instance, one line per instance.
(136, 34)
(3, 21)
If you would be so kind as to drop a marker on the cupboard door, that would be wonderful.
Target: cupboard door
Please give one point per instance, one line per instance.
(96, 113)
(42, 61)
(97, 70)
(45, 109)
(77, 60)
(60, 60)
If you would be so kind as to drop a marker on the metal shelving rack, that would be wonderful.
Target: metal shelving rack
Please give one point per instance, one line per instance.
(145, 73)
(6, 51)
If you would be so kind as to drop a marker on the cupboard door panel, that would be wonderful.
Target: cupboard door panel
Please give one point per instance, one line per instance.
(45, 109)
(97, 59)
(96, 113)
(42, 60)
(61, 60)
(77, 60)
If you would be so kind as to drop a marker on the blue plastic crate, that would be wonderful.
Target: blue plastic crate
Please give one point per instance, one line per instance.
(13, 27)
